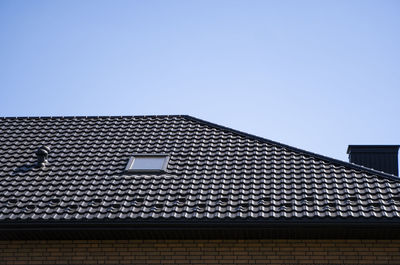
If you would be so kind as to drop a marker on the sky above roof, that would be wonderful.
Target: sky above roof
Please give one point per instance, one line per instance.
(317, 75)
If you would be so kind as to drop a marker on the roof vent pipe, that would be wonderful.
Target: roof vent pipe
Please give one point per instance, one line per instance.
(42, 154)
(379, 157)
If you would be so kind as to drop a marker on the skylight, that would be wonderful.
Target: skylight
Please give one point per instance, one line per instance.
(147, 163)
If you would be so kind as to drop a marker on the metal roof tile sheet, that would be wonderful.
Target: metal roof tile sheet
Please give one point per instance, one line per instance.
(213, 173)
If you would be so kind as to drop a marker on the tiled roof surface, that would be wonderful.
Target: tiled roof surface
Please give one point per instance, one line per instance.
(213, 173)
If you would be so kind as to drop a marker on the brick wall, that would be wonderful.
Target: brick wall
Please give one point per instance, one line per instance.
(201, 252)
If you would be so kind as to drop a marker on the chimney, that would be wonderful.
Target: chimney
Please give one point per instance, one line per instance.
(42, 154)
(379, 157)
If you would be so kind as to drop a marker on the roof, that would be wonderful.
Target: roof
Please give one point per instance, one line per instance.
(214, 174)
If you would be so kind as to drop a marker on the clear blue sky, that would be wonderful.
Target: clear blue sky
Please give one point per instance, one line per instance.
(317, 75)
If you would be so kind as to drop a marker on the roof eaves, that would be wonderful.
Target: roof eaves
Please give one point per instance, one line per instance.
(363, 221)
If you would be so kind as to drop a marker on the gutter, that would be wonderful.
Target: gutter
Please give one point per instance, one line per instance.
(334, 229)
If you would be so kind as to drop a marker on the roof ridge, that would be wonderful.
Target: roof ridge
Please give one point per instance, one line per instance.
(238, 132)
(91, 117)
(295, 149)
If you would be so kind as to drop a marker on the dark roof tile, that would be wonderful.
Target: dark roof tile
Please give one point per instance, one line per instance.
(213, 173)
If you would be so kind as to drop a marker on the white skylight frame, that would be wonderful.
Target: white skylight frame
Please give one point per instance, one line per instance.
(147, 170)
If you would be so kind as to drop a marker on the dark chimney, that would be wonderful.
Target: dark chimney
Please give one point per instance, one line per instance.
(379, 157)
(42, 154)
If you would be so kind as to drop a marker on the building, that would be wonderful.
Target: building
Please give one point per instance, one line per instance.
(180, 190)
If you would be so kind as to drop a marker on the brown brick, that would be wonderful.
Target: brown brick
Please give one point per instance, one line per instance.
(201, 251)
